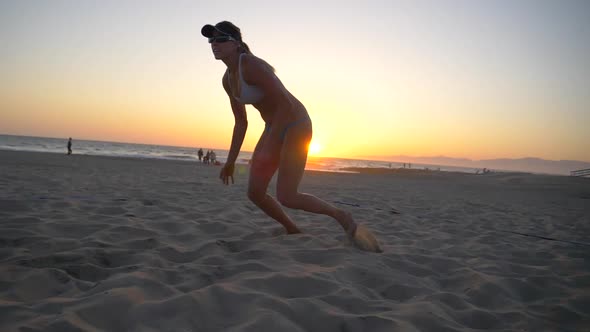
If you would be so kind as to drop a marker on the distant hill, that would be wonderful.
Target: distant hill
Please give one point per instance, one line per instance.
(533, 165)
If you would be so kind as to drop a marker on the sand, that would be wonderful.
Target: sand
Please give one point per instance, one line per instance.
(110, 244)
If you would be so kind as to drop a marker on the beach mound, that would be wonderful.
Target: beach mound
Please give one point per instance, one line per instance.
(111, 244)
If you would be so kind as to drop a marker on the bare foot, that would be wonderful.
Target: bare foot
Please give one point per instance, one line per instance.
(359, 235)
(293, 231)
(347, 222)
(284, 231)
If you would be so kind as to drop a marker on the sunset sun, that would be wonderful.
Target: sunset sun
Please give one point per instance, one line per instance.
(314, 148)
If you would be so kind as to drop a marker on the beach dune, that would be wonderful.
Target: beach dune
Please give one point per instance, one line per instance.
(92, 243)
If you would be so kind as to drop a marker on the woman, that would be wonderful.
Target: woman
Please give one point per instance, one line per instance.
(284, 143)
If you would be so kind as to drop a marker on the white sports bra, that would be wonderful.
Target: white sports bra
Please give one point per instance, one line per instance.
(249, 94)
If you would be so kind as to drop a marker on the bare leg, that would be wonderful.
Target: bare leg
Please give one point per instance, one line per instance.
(264, 165)
(291, 167)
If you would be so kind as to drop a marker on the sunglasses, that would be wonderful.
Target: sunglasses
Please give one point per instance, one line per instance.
(220, 39)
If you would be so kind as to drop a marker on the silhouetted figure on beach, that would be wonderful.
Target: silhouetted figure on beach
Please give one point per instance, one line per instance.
(284, 142)
(206, 158)
(69, 146)
(200, 154)
(212, 157)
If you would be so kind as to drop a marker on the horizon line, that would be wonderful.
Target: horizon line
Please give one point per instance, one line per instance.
(366, 157)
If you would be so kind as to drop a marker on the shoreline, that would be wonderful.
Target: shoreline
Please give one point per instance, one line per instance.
(93, 147)
(344, 170)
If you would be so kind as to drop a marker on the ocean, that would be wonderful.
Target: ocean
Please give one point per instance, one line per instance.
(189, 154)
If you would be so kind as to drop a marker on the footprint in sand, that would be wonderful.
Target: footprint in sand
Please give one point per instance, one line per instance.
(112, 211)
(229, 246)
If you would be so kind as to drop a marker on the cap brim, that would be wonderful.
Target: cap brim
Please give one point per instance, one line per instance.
(207, 30)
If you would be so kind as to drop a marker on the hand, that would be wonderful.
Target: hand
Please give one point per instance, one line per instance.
(227, 171)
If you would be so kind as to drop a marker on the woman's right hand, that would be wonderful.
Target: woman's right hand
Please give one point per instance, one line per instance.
(227, 172)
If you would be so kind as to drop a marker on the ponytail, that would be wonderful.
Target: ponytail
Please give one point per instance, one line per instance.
(245, 49)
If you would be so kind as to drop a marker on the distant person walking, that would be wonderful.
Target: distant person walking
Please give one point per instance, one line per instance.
(284, 143)
(200, 154)
(69, 146)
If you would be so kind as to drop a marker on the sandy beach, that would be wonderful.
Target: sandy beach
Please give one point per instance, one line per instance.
(111, 244)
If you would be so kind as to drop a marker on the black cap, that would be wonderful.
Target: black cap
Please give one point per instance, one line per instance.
(224, 28)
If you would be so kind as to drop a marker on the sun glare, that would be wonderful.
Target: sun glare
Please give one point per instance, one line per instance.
(314, 148)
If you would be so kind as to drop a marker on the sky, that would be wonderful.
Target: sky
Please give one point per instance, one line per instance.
(459, 78)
